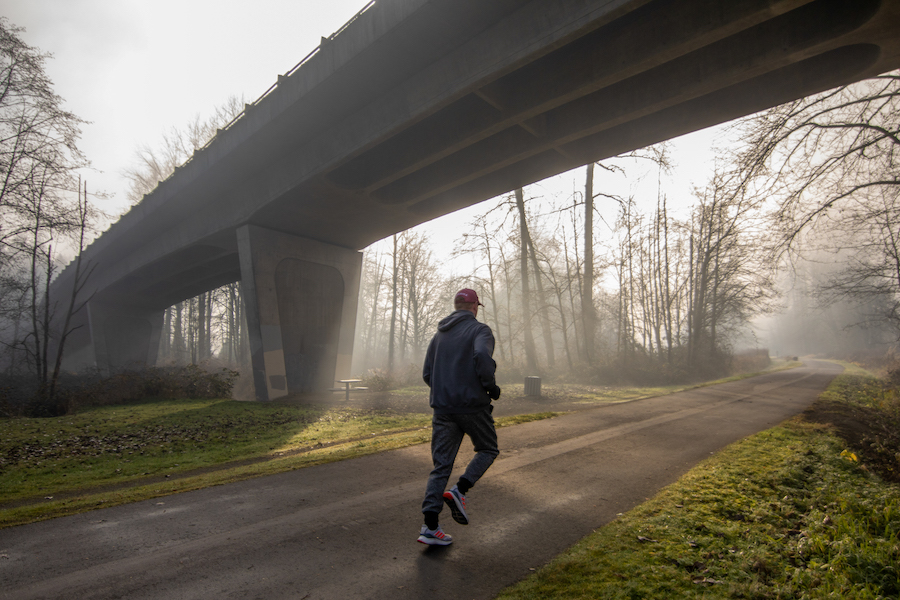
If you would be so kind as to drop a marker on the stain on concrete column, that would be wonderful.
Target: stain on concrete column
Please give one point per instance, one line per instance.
(310, 300)
(301, 298)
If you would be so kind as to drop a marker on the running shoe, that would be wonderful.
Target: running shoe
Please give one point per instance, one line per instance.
(434, 537)
(457, 503)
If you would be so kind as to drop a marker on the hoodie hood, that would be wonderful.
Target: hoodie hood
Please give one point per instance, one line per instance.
(449, 322)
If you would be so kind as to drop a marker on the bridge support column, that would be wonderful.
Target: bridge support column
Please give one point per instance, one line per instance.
(301, 298)
(116, 337)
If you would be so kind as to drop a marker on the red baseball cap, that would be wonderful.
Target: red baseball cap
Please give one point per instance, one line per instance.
(468, 296)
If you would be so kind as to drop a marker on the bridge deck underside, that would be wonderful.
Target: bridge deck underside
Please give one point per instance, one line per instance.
(457, 102)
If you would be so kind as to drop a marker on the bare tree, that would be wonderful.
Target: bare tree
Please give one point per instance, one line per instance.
(395, 277)
(424, 301)
(41, 208)
(730, 279)
(814, 153)
(76, 299)
(829, 162)
(588, 313)
(154, 164)
(484, 243)
(867, 251)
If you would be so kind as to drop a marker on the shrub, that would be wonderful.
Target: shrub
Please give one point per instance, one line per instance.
(749, 361)
(19, 396)
(378, 380)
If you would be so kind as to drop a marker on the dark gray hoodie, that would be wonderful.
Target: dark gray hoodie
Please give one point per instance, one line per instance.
(459, 365)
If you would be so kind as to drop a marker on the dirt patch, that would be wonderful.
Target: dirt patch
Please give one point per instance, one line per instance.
(872, 433)
(852, 423)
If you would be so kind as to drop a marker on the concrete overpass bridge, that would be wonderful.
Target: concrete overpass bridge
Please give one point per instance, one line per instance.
(417, 108)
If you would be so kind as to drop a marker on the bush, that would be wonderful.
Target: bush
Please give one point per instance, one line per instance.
(382, 380)
(378, 380)
(749, 361)
(190, 381)
(20, 396)
(643, 369)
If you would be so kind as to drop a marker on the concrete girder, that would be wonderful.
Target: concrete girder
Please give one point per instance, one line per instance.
(600, 59)
(613, 100)
(719, 106)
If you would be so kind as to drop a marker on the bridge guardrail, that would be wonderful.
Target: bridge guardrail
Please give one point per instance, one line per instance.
(293, 70)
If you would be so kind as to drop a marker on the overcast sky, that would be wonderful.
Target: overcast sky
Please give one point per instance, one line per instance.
(135, 68)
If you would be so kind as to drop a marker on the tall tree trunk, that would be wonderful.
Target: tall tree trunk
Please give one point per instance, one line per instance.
(165, 343)
(588, 316)
(690, 300)
(390, 365)
(404, 321)
(658, 318)
(668, 292)
(207, 348)
(202, 334)
(493, 291)
(571, 303)
(510, 336)
(576, 269)
(530, 354)
(542, 311)
(370, 336)
(178, 334)
(232, 326)
(564, 325)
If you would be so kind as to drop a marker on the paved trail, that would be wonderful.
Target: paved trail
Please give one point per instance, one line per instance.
(348, 530)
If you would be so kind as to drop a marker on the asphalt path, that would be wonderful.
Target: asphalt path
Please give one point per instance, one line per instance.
(348, 529)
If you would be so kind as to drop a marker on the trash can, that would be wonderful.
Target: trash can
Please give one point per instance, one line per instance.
(532, 386)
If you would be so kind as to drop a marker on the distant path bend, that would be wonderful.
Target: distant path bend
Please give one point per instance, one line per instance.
(348, 529)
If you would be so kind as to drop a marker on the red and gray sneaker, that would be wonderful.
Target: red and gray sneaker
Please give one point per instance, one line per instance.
(434, 537)
(457, 503)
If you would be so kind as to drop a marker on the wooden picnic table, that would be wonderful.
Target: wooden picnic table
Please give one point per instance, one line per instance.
(348, 387)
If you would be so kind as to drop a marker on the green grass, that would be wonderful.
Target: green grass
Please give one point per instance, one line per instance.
(118, 444)
(788, 513)
(117, 454)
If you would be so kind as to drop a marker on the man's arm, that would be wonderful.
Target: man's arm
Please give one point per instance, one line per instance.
(485, 366)
(429, 364)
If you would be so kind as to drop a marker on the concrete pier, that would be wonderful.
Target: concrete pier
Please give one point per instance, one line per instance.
(301, 298)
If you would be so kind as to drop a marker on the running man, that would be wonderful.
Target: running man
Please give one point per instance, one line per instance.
(459, 368)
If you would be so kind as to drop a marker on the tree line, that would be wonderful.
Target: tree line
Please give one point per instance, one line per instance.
(665, 297)
(45, 214)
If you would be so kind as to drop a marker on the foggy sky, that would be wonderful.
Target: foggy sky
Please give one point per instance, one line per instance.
(136, 68)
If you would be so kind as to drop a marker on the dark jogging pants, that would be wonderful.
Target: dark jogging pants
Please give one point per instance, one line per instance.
(446, 436)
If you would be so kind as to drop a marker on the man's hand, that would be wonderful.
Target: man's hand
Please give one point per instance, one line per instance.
(494, 392)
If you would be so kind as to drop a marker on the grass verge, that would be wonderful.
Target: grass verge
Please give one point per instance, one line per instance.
(788, 513)
(117, 454)
(600, 394)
